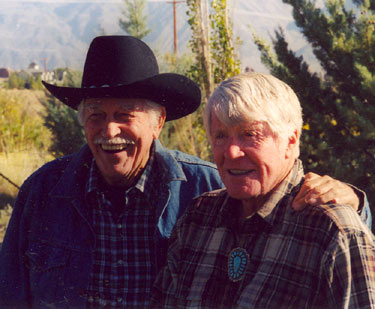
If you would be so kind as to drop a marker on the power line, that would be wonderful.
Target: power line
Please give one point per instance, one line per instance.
(11, 182)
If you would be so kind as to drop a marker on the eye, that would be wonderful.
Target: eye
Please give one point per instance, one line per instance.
(218, 139)
(250, 132)
(124, 116)
(95, 116)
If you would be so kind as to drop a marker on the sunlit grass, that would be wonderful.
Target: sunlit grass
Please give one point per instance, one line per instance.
(4, 219)
(16, 167)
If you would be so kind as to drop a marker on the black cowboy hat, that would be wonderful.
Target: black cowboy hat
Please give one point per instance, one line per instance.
(125, 67)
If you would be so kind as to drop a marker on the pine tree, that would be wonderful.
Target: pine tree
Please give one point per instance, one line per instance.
(338, 103)
(135, 22)
(62, 120)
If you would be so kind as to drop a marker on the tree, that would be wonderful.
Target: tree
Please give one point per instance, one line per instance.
(34, 82)
(135, 22)
(212, 45)
(62, 121)
(339, 103)
(185, 134)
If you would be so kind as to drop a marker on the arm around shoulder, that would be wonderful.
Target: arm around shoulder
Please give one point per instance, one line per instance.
(364, 208)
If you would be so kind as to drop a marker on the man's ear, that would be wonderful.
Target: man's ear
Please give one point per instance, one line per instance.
(292, 148)
(159, 126)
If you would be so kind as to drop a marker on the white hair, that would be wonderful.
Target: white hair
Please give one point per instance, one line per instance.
(155, 111)
(255, 97)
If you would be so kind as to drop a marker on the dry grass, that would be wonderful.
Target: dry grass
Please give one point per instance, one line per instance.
(30, 98)
(15, 166)
(18, 165)
(4, 219)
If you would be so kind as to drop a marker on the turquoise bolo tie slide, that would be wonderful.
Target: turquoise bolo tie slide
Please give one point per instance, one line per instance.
(237, 263)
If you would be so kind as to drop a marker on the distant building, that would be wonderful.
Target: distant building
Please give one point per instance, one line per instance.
(4, 73)
(48, 76)
(33, 70)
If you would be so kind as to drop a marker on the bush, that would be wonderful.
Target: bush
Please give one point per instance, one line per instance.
(15, 81)
(19, 129)
(62, 120)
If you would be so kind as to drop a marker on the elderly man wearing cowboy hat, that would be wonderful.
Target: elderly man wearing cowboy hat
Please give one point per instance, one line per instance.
(91, 229)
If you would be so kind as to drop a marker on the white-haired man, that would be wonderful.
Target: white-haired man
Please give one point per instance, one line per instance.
(244, 246)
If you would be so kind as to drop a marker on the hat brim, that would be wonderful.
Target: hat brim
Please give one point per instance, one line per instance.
(179, 95)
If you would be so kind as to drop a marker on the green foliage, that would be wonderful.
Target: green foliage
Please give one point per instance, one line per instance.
(200, 70)
(62, 120)
(70, 78)
(185, 134)
(135, 22)
(34, 83)
(20, 128)
(212, 45)
(24, 81)
(339, 108)
(168, 62)
(15, 81)
(63, 123)
(226, 62)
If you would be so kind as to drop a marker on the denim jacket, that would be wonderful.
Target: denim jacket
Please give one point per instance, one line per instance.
(46, 257)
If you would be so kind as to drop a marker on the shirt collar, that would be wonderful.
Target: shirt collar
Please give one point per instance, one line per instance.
(268, 212)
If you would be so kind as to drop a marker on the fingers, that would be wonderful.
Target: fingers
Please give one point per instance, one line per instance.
(324, 189)
(313, 186)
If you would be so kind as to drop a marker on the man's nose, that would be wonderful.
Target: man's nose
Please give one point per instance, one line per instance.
(111, 129)
(233, 150)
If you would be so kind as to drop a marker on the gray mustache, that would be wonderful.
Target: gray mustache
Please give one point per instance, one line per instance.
(112, 141)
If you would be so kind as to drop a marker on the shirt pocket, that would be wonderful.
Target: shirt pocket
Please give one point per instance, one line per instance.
(47, 264)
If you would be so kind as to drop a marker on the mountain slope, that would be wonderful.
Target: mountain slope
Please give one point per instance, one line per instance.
(60, 31)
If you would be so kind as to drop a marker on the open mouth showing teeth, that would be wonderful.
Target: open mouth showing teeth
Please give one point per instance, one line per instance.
(239, 172)
(113, 148)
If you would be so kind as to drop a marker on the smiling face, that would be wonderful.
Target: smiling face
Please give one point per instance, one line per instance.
(251, 160)
(120, 133)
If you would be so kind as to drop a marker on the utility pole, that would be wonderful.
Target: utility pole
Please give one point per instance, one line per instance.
(174, 2)
(44, 64)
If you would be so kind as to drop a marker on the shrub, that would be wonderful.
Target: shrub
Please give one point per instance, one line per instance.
(19, 128)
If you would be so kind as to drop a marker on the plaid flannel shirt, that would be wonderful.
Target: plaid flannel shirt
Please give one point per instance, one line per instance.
(323, 256)
(123, 267)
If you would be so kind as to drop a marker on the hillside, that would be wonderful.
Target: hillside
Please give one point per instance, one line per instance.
(59, 32)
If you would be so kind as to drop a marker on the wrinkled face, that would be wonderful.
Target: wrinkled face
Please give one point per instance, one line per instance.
(120, 133)
(250, 159)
